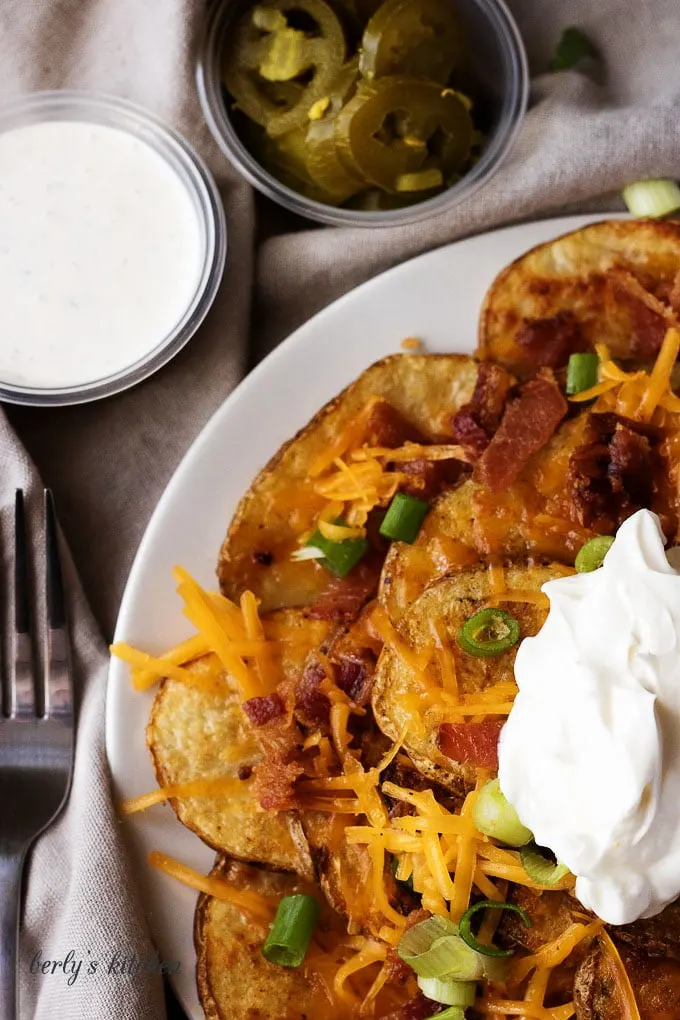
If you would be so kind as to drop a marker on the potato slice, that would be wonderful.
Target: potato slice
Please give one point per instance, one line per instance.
(446, 605)
(612, 282)
(654, 980)
(281, 504)
(234, 980)
(195, 734)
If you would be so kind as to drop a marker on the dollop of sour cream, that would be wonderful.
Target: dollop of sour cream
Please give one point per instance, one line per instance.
(590, 754)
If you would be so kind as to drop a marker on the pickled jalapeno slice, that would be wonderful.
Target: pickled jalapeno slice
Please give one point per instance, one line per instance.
(398, 126)
(299, 43)
(416, 38)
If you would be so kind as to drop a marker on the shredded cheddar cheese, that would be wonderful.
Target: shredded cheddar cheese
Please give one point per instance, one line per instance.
(556, 952)
(660, 378)
(217, 786)
(259, 908)
(411, 451)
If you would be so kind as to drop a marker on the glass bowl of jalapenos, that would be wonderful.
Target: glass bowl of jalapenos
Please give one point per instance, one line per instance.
(364, 112)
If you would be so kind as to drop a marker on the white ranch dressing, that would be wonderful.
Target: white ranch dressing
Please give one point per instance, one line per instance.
(100, 252)
(590, 754)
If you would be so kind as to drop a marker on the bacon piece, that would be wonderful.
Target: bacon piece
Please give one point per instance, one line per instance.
(547, 343)
(472, 743)
(469, 434)
(476, 422)
(354, 675)
(527, 425)
(648, 314)
(263, 710)
(385, 426)
(344, 597)
(312, 707)
(397, 971)
(280, 740)
(612, 473)
(427, 478)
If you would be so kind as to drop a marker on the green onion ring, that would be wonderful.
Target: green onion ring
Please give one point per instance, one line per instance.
(292, 930)
(476, 636)
(538, 868)
(465, 931)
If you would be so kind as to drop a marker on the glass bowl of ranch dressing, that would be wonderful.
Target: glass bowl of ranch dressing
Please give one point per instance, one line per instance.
(112, 246)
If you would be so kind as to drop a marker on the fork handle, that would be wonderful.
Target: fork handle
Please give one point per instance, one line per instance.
(11, 869)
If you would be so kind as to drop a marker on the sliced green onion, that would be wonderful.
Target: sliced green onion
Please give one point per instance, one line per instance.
(581, 372)
(574, 46)
(292, 930)
(338, 557)
(307, 552)
(434, 949)
(417, 940)
(539, 868)
(452, 1013)
(465, 929)
(652, 198)
(448, 991)
(496, 817)
(404, 517)
(408, 882)
(488, 632)
(591, 555)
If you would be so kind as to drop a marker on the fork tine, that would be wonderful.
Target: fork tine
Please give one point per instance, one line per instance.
(22, 693)
(58, 692)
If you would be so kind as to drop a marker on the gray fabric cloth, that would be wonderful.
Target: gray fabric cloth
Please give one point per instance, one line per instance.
(586, 135)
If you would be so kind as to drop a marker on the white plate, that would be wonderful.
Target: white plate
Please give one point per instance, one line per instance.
(437, 298)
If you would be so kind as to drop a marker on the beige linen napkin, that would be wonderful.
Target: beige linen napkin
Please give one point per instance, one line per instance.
(588, 132)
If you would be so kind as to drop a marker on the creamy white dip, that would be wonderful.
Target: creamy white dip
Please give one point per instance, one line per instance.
(100, 252)
(590, 754)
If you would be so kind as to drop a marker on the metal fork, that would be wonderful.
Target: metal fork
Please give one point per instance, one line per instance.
(36, 737)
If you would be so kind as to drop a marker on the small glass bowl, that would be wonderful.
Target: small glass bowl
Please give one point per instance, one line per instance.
(497, 62)
(92, 107)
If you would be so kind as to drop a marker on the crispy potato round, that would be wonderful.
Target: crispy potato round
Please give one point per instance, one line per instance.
(196, 734)
(280, 504)
(655, 982)
(446, 605)
(612, 282)
(234, 980)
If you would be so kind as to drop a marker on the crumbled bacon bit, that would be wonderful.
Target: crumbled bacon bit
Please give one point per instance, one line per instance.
(476, 422)
(548, 343)
(397, 971)
(354, 675)
(427, 478)
(385, 426)
(469, 434)
(245, 772)
(265, 559)
(276, 774)
(312, 707)
(527, 425)
(262, 710)
(472, 743)
(611, 474)
(344, 597)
